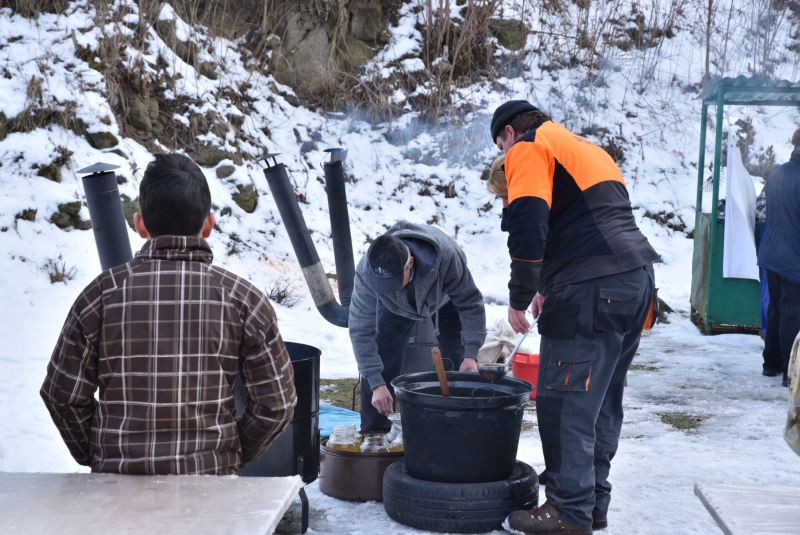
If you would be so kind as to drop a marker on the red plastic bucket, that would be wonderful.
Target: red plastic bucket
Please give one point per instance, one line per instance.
(525, 366)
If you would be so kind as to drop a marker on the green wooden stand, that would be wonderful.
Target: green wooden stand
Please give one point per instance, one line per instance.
(725, 304)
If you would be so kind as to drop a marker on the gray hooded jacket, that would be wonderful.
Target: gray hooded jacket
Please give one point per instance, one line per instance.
(440, 277)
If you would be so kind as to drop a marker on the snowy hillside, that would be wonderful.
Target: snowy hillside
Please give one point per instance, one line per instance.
(623, 74)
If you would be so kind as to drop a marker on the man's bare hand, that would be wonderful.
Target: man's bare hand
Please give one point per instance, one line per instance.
(469, 365)
(518, 320)
(382, 400)
(536, 306)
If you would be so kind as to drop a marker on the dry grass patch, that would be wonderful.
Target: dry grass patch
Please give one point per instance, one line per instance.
(681, 420)
(644, 367)
(339, 393)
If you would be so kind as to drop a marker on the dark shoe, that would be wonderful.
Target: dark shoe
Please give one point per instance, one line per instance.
(540, 520)
(769, 372)
(599, 520)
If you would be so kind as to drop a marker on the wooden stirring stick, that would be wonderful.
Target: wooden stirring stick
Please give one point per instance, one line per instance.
(437, 362)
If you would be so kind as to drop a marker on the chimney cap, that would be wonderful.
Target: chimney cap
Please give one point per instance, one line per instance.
(266, 157)
(99, 167)
(338, 154)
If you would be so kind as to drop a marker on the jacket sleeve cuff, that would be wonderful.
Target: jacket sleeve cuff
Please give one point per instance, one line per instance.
(374, 380)
(471, 351)
(516, 304)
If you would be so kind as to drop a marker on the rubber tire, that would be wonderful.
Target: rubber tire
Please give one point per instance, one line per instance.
(457, 507)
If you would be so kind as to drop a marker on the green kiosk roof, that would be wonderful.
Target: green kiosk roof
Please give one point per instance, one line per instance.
(752, 90)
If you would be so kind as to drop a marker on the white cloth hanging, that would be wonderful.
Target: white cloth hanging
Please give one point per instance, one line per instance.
(739, 257)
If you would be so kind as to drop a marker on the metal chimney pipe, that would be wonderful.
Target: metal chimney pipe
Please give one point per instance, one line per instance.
(105, 211)
(295, 225)
(340, 224)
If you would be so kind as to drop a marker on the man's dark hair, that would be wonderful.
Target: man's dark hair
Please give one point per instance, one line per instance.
(524, 121)
(174, 198)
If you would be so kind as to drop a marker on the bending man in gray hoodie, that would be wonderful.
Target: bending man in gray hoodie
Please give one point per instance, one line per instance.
(411, 273)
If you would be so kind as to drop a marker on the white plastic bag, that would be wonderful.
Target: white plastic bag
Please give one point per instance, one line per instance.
(791, 433)
(500, 341)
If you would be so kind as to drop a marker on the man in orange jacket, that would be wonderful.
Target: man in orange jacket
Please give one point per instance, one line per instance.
(580, 262)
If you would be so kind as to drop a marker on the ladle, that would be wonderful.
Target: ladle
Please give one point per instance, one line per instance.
(437, 362)
(493, 371)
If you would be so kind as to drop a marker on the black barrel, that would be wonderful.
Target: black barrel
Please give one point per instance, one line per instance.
(108, 220)
(296, 450)
(469, 437)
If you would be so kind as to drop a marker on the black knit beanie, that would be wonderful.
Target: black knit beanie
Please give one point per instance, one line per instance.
(505, 113)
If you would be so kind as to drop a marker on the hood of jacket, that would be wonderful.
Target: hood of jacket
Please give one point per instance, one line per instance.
(427, 245)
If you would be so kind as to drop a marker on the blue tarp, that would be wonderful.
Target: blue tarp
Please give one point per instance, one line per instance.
(330, 416)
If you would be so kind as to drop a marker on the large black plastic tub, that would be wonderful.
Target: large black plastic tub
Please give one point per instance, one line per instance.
(296, 450)
(469, 437)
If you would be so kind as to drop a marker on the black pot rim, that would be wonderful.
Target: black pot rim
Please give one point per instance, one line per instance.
(508, 392)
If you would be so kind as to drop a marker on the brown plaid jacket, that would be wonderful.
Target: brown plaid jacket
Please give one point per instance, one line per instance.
(162, 338)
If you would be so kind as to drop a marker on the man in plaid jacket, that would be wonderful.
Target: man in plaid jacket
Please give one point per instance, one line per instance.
(161, 340)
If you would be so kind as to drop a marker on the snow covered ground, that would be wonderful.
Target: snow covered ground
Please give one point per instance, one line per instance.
(399, 170)
(678, 371)
(738, 441)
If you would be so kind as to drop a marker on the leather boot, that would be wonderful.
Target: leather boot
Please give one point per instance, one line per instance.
(540, 520)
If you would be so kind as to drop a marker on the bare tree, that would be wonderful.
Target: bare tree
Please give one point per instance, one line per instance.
(709, 13)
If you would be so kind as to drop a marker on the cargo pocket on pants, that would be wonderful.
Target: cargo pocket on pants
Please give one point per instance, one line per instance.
(616, 309)
(559, 317)
(569, 366)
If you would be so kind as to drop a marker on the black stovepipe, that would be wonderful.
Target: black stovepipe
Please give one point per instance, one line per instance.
(105, 211)
(293, 221)
(340, 224)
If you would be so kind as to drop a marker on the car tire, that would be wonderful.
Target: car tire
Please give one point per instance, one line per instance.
(457, 507)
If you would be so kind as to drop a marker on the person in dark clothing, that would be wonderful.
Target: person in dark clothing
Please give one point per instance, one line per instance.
(761, 229)
(779, 254)
(409, 274)
(580, 262)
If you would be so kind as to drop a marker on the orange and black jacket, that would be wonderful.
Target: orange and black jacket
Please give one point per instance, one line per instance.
(569, 217)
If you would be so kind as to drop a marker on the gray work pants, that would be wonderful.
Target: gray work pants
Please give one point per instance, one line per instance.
(590, 333)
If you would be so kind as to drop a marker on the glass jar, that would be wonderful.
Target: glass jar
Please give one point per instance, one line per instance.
(395, 419)
(345, 438)
(375, 443)
(397, 443)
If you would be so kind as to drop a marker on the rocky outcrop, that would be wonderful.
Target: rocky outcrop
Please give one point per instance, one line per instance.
(246, 197)
(354, 55)
(209, 156)
(68, 215)
(102, 140)
(50, 172)
(511, 34)
(29, 214)
(301, 60)
(366, 23)
(142, 113)
(183, 49)
(224, 171)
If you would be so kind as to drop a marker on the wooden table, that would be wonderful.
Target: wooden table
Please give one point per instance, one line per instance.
(752, 510)
(104, 504)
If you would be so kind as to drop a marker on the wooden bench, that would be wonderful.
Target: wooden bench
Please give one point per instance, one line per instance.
(102, 504)
(750, 510)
